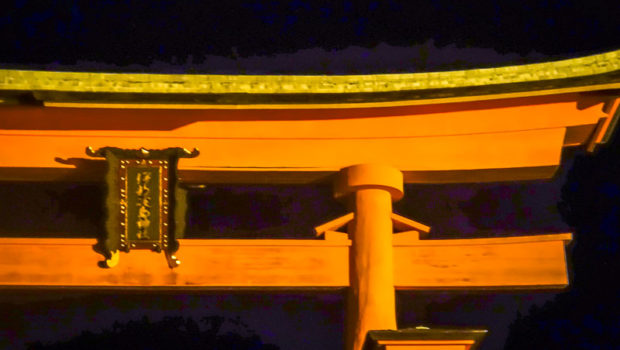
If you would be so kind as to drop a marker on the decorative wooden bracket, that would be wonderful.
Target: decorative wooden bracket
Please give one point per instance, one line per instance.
(329, 230)
(606, 126)
(143, 205)
(405, 230)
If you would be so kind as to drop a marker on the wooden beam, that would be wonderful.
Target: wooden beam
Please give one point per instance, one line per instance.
(412, 121)
(95, 173)
(602, 131)
(425, 338)
(429, 143)
(204, 263)
(426, 344)
(521, 262)
(515, 262)
(523, 149)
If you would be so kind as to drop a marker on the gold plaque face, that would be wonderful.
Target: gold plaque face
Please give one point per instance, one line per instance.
(144, 204)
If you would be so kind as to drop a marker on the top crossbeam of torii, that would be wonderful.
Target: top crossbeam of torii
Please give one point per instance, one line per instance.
(495, 124)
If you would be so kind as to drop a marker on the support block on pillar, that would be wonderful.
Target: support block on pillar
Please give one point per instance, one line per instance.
(362, 176)
(423, 338)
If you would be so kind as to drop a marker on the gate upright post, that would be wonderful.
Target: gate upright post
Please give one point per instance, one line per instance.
(370, 189)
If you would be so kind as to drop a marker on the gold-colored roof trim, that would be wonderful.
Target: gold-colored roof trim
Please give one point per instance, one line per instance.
(134, 105)
(23, 80)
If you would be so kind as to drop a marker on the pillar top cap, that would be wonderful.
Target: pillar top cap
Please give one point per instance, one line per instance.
(363, 176)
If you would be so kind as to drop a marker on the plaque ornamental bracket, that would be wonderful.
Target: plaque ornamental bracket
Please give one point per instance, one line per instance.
(143, 202)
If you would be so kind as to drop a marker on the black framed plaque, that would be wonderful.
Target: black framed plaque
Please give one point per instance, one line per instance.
(143, 202)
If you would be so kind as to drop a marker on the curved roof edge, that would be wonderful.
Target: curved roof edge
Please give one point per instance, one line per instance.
(595, 72)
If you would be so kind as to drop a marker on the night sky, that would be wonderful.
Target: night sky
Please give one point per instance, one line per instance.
(316, 37)
(136, 35)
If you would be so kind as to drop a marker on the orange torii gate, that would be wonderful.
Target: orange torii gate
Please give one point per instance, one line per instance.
(367, 135)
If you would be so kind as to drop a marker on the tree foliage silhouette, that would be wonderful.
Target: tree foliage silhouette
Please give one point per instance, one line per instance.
(587, 316)
(212, 332)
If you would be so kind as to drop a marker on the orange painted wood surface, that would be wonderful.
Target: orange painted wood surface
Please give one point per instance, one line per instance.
(407, 121)
(535, 148)
(512, 139)
(527, 262)
(427, 347)
(204, 263)
(464, 344)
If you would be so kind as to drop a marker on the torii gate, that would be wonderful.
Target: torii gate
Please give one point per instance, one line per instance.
(367, 135)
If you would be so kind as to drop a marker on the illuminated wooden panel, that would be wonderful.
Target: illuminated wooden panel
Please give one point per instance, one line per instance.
(407, 121)
(500, 140)
(534, 148)
(95, 172)
(424, 338)
(204, 263)
(426, 345)
(528, 262)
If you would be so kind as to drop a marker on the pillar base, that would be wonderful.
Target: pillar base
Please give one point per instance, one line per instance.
(423, 338)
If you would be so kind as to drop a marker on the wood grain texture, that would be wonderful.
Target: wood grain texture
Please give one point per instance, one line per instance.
(532, 148)
(516, 262)
(505, 140)
(204, 263)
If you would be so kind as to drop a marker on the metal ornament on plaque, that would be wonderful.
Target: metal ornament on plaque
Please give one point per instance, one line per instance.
(143, 205)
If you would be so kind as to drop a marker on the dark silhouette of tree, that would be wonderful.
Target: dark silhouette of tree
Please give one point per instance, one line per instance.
(587, 316)
(214, 332)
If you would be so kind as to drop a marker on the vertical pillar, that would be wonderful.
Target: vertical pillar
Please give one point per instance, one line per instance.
(370, 189)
